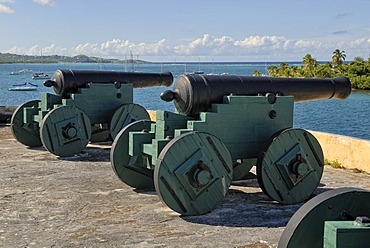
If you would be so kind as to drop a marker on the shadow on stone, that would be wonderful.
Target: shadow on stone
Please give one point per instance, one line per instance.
(91, 154)
(240, 209)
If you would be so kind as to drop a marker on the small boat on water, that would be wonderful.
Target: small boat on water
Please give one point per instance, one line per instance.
(40, 75)
(198, 72)
(23, 87)
(22, 71)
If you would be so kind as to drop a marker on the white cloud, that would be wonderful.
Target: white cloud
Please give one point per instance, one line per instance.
(117, 47)
(306, 44)
(252, 45)
(36, 50)
(45, 2)
(261, 41)
(252, 48)
(53, 50)
(5, 9)
(206, 45)
(270, 48)
(358, 43)
(87, 48)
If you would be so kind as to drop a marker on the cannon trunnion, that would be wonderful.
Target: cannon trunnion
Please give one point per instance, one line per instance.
(224, 125)
(90, 106)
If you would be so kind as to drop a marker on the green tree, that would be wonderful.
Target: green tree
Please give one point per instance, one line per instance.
(273, 71)
(358, 59)
(324, 71)
(257, 73)
(357, 71)
(309, 63)
(338, 57)
(284, 70)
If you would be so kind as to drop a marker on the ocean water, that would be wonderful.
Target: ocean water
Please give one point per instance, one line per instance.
(350, 117)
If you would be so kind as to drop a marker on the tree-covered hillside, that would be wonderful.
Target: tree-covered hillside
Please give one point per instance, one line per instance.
(16, 58)
(358, 71)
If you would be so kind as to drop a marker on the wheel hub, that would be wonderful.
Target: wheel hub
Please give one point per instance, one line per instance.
(200, 175)
(69, 131)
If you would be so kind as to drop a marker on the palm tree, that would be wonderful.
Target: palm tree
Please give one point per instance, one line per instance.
(294, 71)
(257, 73)
(309, 64)
(284, 69)
(338, 57)
(273, 70)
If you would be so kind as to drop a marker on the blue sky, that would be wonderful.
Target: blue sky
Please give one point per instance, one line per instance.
(187, 30)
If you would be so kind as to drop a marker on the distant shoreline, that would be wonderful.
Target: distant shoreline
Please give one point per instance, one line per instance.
(8, 58)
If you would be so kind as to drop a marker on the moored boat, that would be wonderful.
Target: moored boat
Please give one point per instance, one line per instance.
(40, 75)
(23, 87)
(22, 71)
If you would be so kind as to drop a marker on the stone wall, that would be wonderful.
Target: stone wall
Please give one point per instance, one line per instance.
(351, 153)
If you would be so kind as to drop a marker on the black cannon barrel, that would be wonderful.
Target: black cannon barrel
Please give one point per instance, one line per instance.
(68, 81)
(193, 94)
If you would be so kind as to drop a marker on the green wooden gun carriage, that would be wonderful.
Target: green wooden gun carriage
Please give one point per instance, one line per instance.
(88, 106)
(335, 218)
(224, 125)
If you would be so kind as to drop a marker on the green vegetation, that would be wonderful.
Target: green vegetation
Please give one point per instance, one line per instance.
(326, 162)
(8, 58)
(257, 73)
(358, 71)
(335, 164)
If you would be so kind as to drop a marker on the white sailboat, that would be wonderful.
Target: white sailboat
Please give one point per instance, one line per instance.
(199, 71)
(21, 71)
(27, 86)
(41, 75)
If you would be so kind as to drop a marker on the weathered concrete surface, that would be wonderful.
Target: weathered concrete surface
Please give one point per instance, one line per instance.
(79, 202)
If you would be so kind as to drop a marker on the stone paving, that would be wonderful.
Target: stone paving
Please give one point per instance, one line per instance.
(46, 201)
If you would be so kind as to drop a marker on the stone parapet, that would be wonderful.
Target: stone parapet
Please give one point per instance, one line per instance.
(351, 153)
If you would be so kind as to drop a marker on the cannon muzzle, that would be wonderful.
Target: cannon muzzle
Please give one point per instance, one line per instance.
(193, 94)
(66, 82)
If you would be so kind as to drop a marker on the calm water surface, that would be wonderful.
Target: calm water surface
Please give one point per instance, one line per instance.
(348, 117)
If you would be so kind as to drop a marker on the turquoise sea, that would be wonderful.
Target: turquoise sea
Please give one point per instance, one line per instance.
(350, 117)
